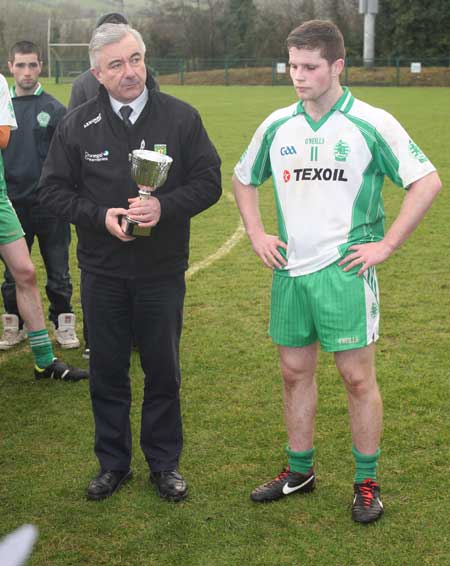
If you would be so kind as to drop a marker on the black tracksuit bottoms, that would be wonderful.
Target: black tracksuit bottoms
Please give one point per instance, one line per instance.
(152, 310)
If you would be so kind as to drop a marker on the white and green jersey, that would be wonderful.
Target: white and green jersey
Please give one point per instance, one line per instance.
(328, 176)
(7, 118)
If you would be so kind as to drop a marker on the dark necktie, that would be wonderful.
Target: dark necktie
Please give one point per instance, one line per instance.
(125, 112)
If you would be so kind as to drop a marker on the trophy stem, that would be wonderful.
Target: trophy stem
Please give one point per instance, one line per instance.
(149, 169)
(144, 195)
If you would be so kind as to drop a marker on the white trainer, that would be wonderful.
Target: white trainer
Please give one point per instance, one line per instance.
(65, 334)
(11, 334)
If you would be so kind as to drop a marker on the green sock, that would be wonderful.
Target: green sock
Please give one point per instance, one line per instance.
(300, 461)
(41, 348)
(366, 465)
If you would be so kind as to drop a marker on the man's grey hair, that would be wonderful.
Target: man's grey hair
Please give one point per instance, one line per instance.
(107, 34)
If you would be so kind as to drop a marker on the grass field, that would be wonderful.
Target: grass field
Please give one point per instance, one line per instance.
(231, 400)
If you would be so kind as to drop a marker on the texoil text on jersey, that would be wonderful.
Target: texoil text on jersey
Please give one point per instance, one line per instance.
(315, 174)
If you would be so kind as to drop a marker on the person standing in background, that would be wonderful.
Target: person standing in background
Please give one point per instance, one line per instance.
(86, 86)
(15, 254)
(37, 114)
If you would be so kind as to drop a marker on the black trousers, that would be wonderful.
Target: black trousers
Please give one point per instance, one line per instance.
(152, 310)
(53, 236)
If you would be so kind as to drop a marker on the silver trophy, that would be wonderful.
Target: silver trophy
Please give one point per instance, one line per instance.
(148, 168)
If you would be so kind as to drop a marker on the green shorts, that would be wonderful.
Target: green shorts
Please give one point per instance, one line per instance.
(10, 227)
(336, 308)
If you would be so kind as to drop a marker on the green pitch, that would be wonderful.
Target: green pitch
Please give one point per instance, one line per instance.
(231, 395)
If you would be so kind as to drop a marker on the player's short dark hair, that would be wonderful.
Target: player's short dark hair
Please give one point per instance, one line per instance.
(111, 18)
(24, 47)
(318, 34)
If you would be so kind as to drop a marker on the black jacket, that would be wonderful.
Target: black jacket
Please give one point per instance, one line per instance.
(88, 171)
(37, 116)
(84, 87)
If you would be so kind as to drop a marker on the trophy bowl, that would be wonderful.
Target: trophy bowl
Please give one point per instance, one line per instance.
(149, 168)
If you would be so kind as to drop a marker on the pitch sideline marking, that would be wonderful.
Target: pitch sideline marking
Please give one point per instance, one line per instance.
(222, 251)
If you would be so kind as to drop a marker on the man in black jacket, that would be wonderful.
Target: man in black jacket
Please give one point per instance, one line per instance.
(131, 284)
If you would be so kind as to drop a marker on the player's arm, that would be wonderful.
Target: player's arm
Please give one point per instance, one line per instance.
(416, 203)
(264, 245)
(5, 132)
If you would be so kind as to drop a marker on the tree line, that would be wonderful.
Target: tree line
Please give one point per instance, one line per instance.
(209, 29)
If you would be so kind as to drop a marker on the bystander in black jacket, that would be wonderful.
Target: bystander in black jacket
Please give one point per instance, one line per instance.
(88, 171)
(37, 116)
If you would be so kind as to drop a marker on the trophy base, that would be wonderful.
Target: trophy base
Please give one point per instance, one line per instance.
(132, 228)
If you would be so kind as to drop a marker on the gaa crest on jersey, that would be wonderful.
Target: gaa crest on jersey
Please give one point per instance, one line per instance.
(341, 151)
(43, 119)
(416, 152)
(288, 150)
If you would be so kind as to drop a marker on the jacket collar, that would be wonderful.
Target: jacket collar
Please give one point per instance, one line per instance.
(149, 83)
(39, 90)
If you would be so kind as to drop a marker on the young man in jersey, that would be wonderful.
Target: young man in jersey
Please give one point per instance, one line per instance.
(328, 155)
(37, 114)
(15, 254)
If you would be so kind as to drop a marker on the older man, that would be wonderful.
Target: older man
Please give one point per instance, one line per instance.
(131, 284)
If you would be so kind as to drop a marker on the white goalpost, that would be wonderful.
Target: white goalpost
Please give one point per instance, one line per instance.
(66, 60)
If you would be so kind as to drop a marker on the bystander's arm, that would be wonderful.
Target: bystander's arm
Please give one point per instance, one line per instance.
(5, 132)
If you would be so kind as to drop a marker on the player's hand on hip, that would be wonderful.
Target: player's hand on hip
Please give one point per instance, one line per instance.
(266, 247)
(366, 255)
(147, 212)
(112, 223)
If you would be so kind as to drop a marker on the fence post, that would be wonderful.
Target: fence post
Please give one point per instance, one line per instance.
(397, 63)
(225, 70)
(57, 71)
(273, 73)
(181, 68)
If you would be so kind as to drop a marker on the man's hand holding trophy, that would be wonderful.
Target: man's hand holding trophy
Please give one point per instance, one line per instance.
(149, 170)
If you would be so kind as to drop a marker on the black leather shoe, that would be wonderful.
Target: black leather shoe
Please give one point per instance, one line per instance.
(169, 485)
(106, 483)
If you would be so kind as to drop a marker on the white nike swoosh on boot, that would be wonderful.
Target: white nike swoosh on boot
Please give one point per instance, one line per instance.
(287, 489)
